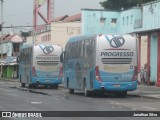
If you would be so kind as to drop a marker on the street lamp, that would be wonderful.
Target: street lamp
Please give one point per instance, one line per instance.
(1, 34)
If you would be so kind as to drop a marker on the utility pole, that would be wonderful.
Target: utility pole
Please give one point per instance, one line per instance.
(1, 35)
(2, 17)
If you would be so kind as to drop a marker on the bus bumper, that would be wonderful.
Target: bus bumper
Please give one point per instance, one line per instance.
(115, 86)
(47, 81)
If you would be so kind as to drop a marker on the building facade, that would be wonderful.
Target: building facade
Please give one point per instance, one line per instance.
(144, 21)
(60, 30)
(10, 45)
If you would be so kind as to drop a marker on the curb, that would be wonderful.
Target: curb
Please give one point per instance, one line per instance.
(11, 80)
(143, 96)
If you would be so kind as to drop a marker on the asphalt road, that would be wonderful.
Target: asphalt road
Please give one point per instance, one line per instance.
(15, 98)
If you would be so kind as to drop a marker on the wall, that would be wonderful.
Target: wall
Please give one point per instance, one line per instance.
(144, 48)
(151, 15)
(99, 21)
(102, 21)
(43, 37)
(62, 31)
(130, 20)
(153, 58)
(59, 34)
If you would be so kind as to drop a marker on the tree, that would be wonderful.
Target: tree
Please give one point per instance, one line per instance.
(122, 4)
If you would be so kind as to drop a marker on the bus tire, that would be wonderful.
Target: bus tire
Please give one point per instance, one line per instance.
(121, 94)
(86, 92)
(23, 84)
(30, 86)
(71, 91)
(56, 86)
(67, 83)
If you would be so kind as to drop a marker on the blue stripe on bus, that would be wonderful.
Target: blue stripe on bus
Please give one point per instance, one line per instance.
(107, 39)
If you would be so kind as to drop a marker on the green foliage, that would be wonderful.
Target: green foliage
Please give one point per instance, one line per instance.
(122, 4)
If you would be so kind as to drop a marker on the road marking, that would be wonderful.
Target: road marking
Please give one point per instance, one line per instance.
(149, 108)
(36, 102)
(115, 102)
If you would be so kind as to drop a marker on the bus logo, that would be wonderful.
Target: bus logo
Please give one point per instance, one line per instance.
(47, 49)
(117, 42)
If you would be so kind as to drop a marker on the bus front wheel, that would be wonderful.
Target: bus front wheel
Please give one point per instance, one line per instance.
(71, 91)
(30, 86)
(54, 86)
(23, 84)
(86, 91)
(121, 94)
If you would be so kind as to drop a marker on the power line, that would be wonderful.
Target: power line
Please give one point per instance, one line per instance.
(17, 15)
(16, 26)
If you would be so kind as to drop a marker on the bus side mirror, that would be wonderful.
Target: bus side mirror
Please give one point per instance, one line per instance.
(62, 56)
(18, 59)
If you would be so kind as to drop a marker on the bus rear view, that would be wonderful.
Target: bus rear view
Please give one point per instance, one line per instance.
(116, 64)
(40, 65)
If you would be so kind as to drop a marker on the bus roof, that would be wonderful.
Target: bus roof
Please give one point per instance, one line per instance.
(27, 46)
(32, 44)
(79, 37)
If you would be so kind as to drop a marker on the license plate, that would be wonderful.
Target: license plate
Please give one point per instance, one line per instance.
(117, 85)
(47, 80)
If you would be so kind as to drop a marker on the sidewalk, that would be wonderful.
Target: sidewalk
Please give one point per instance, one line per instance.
(9, 79)
(146, 91)
(142, 91)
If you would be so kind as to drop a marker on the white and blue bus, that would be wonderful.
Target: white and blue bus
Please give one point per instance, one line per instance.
(104, 63)
(40, 64)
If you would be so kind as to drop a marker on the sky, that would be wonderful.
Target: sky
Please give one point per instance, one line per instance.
(20, 12)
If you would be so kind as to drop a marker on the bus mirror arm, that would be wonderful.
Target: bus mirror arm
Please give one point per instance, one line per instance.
(18, 59)
(62, 57)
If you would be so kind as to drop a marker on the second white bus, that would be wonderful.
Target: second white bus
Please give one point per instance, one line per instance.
(105, 63)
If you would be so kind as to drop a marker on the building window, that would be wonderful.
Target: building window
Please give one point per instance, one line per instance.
(16, 47)
(46, 38)
(49, 37)
(102, 20)
(114, 20)
(127, 20)
(123, 21)
(131, 18)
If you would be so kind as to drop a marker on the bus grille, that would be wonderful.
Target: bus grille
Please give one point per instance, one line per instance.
(116, 60)
(47, 62)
